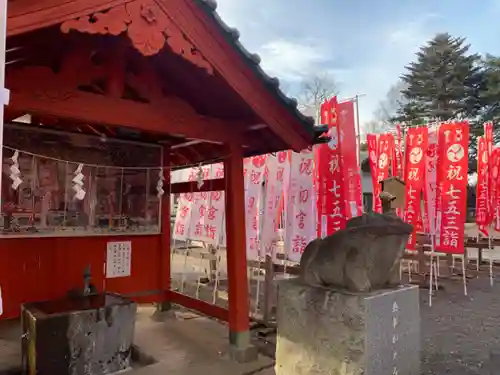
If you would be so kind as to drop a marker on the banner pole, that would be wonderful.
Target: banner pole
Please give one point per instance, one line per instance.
(358, 130)
(490, 251)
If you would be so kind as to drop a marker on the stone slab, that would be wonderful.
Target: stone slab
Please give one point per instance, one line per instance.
(393, 332)
(325, 332)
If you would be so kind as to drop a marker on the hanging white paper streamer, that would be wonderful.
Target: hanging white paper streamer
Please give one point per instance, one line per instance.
(15, 172)
(78, 183)
(159, 184)
(199, 180)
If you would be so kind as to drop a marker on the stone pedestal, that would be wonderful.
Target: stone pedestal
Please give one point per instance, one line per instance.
(322, 332)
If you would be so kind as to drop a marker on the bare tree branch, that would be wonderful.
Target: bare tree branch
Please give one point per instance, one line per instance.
(316, 89)
(375, 126)
(388, 108)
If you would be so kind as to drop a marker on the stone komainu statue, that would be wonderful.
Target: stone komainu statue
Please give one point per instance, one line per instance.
(363, 257)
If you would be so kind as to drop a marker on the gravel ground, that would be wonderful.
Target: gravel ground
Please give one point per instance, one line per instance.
(461, 334)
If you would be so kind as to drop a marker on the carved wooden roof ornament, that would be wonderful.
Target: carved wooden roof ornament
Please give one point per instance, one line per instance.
(147, 26)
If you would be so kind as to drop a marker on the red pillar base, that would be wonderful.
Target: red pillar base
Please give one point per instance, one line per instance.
(241, 350)
(163, 306)
(239, 329)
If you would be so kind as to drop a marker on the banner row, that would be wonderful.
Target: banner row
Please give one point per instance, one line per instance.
(292, 198)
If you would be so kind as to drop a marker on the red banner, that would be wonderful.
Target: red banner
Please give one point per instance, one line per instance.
(397, 156)
(321, 156)
(488, 139)
(430, 189)
(452, 182)
(334, 189)
(371, 140)
(384, 152)
(359, 195)
(495, 191)
(349, 165)
(416, 151)
(330, 178)
(397, 161)
(488, 136)
(482, 197)
(394, 160)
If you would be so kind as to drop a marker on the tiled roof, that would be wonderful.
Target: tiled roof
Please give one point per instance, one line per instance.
(253, 60)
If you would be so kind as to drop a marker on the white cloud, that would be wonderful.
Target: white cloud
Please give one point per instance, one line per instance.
(250, 17)
(398, 44)
(285, 56)
(373, 57)
(291, 60)
(410, 34)
(230, 11)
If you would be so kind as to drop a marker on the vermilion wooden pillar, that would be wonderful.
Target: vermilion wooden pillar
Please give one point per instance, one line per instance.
(239, 335)
(165, 239)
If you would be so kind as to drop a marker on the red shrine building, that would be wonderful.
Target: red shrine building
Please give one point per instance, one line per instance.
(150, 85)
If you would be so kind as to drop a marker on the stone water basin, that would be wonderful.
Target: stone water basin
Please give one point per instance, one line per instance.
(81, 335)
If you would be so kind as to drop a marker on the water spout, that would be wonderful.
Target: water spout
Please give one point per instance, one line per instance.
(86, 281)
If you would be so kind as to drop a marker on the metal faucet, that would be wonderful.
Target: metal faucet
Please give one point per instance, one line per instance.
(87, 276)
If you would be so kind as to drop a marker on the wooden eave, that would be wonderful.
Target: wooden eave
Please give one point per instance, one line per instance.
(261, 93)
(28, 15)
(137, 123)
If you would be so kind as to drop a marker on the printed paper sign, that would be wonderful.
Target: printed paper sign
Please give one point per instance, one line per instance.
(118, 259)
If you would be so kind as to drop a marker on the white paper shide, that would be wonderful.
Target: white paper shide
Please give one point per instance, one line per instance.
(78, 183)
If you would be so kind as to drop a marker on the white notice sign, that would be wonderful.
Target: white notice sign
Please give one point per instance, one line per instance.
(118, 259)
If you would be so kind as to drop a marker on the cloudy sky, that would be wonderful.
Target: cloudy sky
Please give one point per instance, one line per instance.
(364, 44)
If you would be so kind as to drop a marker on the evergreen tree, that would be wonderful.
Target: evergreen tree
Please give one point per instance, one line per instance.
(443, 83)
